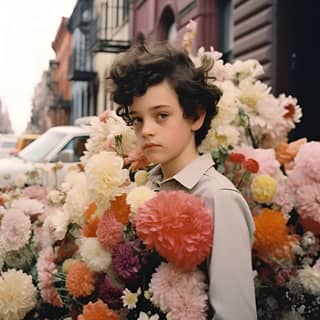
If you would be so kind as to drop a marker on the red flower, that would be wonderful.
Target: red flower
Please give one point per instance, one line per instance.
(251, 165)
(178, 226)
(236, 157)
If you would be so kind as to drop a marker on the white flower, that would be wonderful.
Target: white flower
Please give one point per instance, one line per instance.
(291, 111)
(20, 180)
(17, 295)
(310, 279)
(28, 206)
(250, 68)
(138, 196)
(56, 223)
(56, 196)
(144, 316)
(105, 177)
(94, 255)
(77, 197)
(129, 298)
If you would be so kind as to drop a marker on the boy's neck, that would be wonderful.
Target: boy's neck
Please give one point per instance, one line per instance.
(176, 165)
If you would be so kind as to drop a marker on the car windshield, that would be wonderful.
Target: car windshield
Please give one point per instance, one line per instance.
(39, 149)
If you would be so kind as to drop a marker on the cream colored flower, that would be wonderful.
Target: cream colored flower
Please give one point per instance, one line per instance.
(130, 299)
(21, 180)
(56, 196)
(138, 196)
(250, 68)
(141, 177)
(17, 295)
(77, 197)
(310, 279)
(105, 177)
(94, 255)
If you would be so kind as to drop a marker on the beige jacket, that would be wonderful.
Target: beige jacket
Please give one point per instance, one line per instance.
(231, 288)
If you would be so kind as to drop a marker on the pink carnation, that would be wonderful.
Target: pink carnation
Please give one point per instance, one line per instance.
(307, 160)
(308, 201)
(268, 164)
(109, 231)
(36, 192)
(178, 226)
(180, 294)
(46, 267)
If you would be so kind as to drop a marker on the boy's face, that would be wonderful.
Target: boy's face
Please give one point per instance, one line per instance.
(166, 137)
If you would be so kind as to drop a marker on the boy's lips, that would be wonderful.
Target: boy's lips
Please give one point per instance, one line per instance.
(150, 145)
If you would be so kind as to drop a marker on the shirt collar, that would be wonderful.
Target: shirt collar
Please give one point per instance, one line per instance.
(188, 176)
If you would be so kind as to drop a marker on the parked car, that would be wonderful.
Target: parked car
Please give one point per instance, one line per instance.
(64, 144)
(7, 144)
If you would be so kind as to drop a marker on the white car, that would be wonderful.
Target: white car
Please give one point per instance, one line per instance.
(39, 159)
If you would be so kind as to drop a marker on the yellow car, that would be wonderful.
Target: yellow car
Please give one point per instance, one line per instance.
(25, 139)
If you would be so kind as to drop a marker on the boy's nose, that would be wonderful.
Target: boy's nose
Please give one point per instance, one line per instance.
(147, 128)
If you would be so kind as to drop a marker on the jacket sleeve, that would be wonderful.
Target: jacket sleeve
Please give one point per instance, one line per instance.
(231, 287)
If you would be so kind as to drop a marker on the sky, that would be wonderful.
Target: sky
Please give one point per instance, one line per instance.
(27, 29)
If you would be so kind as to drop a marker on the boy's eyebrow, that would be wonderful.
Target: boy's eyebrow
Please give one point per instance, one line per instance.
(153, 108)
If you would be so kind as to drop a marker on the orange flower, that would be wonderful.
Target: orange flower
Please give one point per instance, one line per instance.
(80, 280)
(121, 209)
(272, 239)
(97, 311)
(92, 207)
(90, 229)
(286, 152)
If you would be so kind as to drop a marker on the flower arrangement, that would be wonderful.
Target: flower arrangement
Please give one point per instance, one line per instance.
(103, 245)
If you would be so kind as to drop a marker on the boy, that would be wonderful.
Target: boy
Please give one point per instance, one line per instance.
(171, 105)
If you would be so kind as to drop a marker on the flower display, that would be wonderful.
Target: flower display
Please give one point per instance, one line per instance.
(102, 245)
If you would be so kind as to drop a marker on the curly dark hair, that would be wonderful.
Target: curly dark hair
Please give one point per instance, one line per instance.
(142, 66)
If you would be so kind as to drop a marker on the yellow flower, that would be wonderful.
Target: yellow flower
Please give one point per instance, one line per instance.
(67, 264)
(141, 177)
(263, 188)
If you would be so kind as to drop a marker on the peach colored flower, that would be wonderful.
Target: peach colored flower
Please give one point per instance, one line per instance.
(136, 159)
(80, 280)
(109, 231)
(178, 226)
(97, 311)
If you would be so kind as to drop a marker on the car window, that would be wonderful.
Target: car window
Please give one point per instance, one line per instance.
(77, 147)
(39, 149)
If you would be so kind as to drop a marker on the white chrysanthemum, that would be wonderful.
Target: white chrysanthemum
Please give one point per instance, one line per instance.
(251, 93)
(105, 177)
(56, 223)
(15, 229)
(77, 198)
(102, 136)
(310, 279)
(292, 112)
(94, 255)
(28, 206)
(250, 68)
(225, 135)
(17, 295)
(138, 196)
(21, 180)
(73, 178)
(145, 316)
(56, 196)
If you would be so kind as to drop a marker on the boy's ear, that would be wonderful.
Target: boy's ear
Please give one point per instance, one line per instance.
(197, 123)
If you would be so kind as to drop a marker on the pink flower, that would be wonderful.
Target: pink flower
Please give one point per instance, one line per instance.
(180, 294)
(136, 159)
(36, 192)
(284, 197)
(308, 201)
(46, 267)
(178, 226)
(266, 158)
(109, 231)
(307, 160)
(105, 116)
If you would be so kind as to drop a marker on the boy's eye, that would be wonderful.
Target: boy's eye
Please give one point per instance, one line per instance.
(136, 121)
(162, 115)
